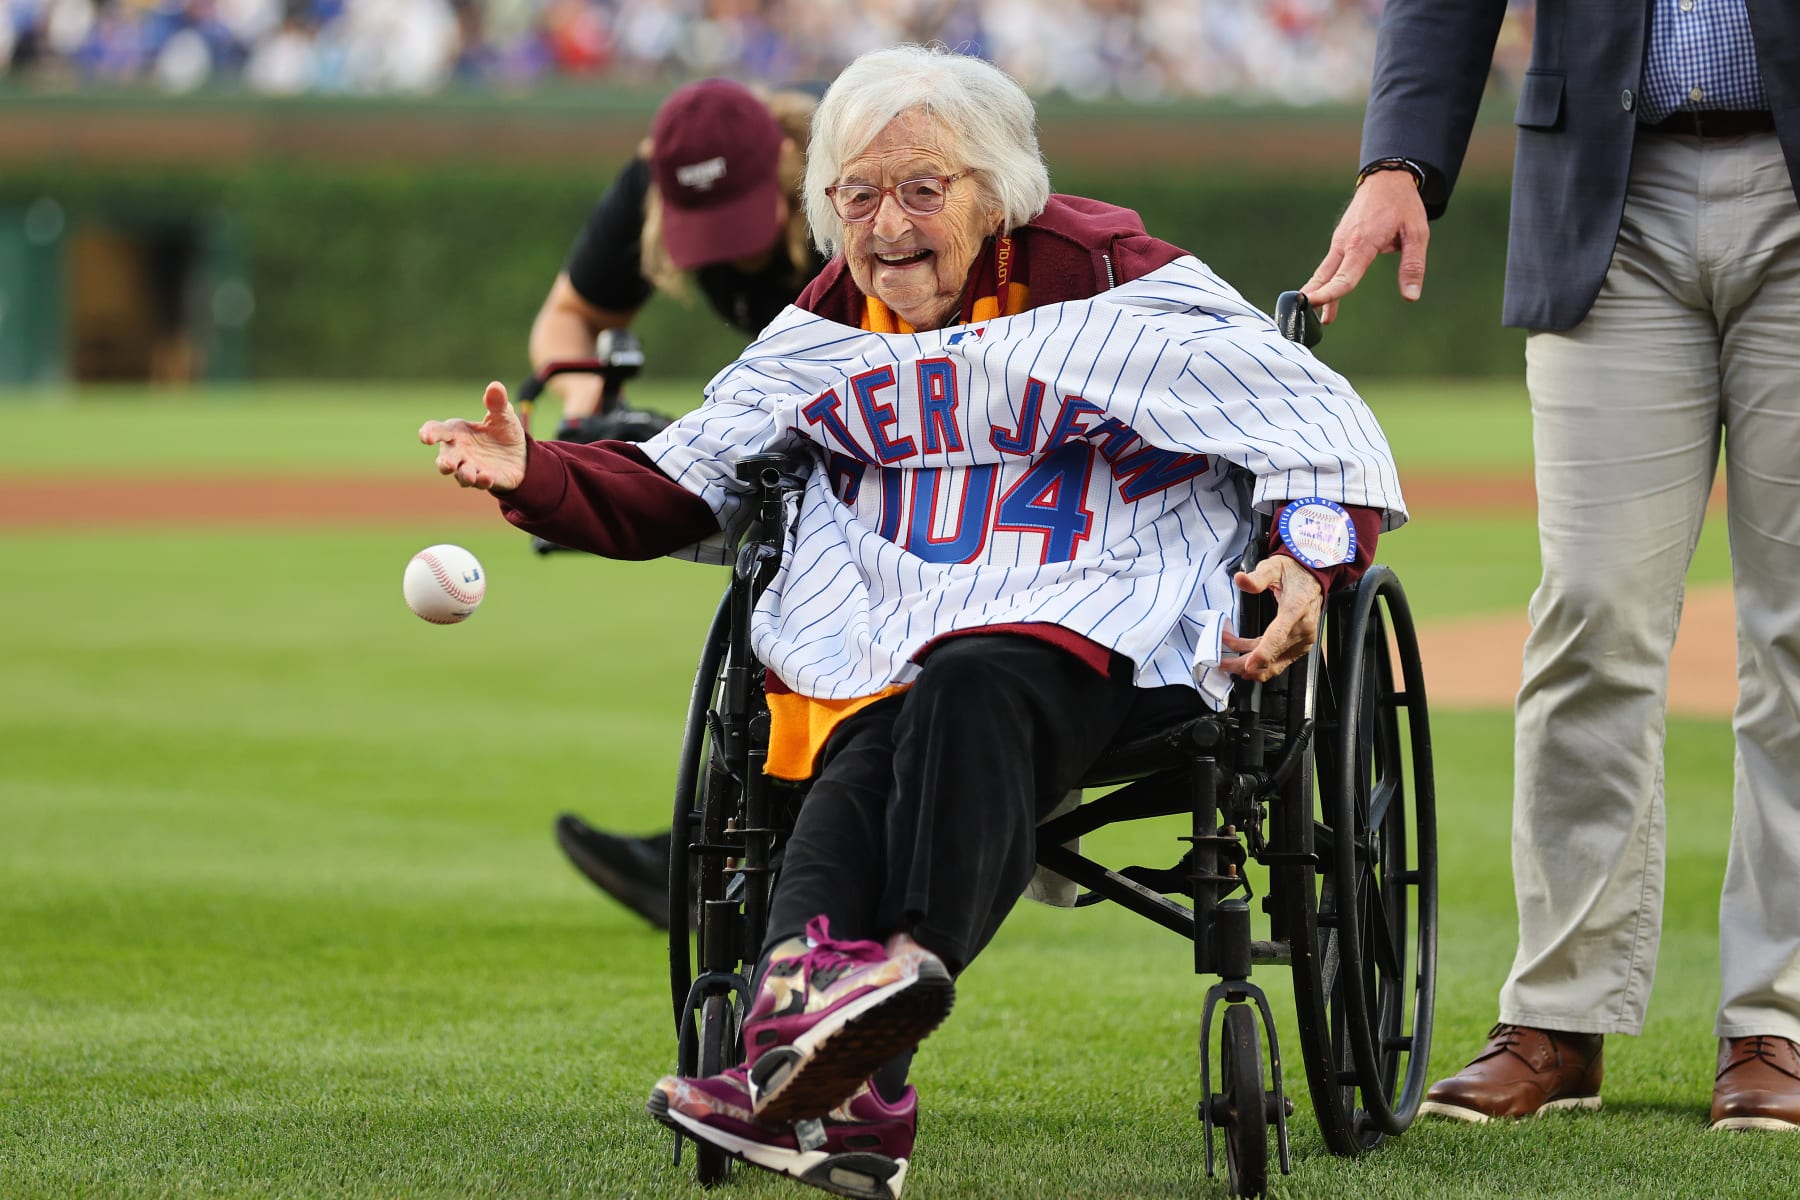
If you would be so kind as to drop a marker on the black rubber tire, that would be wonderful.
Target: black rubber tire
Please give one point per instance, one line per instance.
(1296, 886)
(1246, 1123)
(690, 778)
(1361, 916)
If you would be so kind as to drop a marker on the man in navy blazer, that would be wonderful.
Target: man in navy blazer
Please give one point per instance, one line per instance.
(1654, 256)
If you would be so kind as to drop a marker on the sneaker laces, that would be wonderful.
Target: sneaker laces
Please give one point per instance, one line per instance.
(823, 950)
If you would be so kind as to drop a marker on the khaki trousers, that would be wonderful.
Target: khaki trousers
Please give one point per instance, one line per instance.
(1694, 341)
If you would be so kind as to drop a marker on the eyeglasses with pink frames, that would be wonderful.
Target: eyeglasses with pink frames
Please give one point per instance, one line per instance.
(922, 197)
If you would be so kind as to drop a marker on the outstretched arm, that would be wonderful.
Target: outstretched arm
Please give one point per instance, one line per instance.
(487, 454)
(607, 498)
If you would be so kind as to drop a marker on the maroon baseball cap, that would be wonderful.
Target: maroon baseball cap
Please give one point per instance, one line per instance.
(715, 156)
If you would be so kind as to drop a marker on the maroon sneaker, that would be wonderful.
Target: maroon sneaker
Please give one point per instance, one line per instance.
(859, 1148)
(825, 1019)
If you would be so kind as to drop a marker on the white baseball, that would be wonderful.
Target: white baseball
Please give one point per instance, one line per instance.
(444, 584)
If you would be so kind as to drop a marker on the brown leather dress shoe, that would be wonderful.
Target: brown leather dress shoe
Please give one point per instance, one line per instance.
(1521, 1072)
(1758, 1085)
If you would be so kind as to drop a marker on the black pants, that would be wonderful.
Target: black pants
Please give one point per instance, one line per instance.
(923, 815)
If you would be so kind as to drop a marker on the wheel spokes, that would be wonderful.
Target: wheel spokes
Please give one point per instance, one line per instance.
(1364, 1005)
(1382, 798)
(1376, 919)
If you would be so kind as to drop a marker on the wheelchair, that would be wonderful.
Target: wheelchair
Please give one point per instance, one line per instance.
(1322, 777)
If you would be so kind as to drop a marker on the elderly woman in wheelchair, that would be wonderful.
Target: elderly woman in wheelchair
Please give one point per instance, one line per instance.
(1016, 429)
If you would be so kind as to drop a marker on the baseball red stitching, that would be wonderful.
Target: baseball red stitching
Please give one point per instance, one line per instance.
(443, 577)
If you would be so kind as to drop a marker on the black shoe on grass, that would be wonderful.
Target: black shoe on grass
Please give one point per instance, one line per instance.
(632, 870)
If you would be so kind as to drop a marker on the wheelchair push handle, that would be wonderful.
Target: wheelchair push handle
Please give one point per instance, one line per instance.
(774, 476)
(772, 472)
(1295, 317)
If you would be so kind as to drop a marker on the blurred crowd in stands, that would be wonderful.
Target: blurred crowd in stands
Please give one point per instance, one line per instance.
(1260, 51)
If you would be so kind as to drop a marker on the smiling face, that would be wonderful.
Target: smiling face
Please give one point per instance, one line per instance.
(915, 265)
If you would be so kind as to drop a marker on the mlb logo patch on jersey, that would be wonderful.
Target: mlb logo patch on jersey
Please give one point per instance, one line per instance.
(960, 334)
(1318, 532)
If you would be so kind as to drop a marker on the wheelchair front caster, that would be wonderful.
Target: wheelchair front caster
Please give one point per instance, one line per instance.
(718, 1049)
(706, 1049)
(1241, 1082)
(1243, 1109)
(1239, 1109)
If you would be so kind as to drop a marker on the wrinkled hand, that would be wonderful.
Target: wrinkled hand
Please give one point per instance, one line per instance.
(487, 454)
(1385, 215)
(1295, 628)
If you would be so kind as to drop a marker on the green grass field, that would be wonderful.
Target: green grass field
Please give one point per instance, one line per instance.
(280, 914)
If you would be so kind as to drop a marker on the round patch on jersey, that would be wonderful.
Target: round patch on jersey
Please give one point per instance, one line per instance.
(1318, 532)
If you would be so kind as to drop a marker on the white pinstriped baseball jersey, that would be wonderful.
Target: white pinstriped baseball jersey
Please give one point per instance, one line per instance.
(1066, 465)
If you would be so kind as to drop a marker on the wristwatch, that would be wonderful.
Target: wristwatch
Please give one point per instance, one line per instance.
(1394, 164)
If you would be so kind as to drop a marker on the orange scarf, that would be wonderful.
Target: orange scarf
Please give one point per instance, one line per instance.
(799, 725)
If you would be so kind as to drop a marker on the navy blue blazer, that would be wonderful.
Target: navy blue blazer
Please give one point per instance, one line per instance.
(1576, 123)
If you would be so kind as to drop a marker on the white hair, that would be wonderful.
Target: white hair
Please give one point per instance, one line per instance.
(984, 114)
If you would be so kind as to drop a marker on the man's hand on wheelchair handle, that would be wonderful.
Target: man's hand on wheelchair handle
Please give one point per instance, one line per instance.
(1299, 599)
(487, 454)
(1385, 215)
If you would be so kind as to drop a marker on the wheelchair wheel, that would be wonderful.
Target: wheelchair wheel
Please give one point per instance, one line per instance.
(1246, 1125)
(691, 777)
(707, 1032)
(1358, 897)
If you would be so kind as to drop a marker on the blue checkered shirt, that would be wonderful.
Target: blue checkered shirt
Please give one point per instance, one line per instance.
(1700, 57)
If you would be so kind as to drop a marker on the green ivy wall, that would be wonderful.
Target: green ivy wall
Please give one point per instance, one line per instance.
(429, 263)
